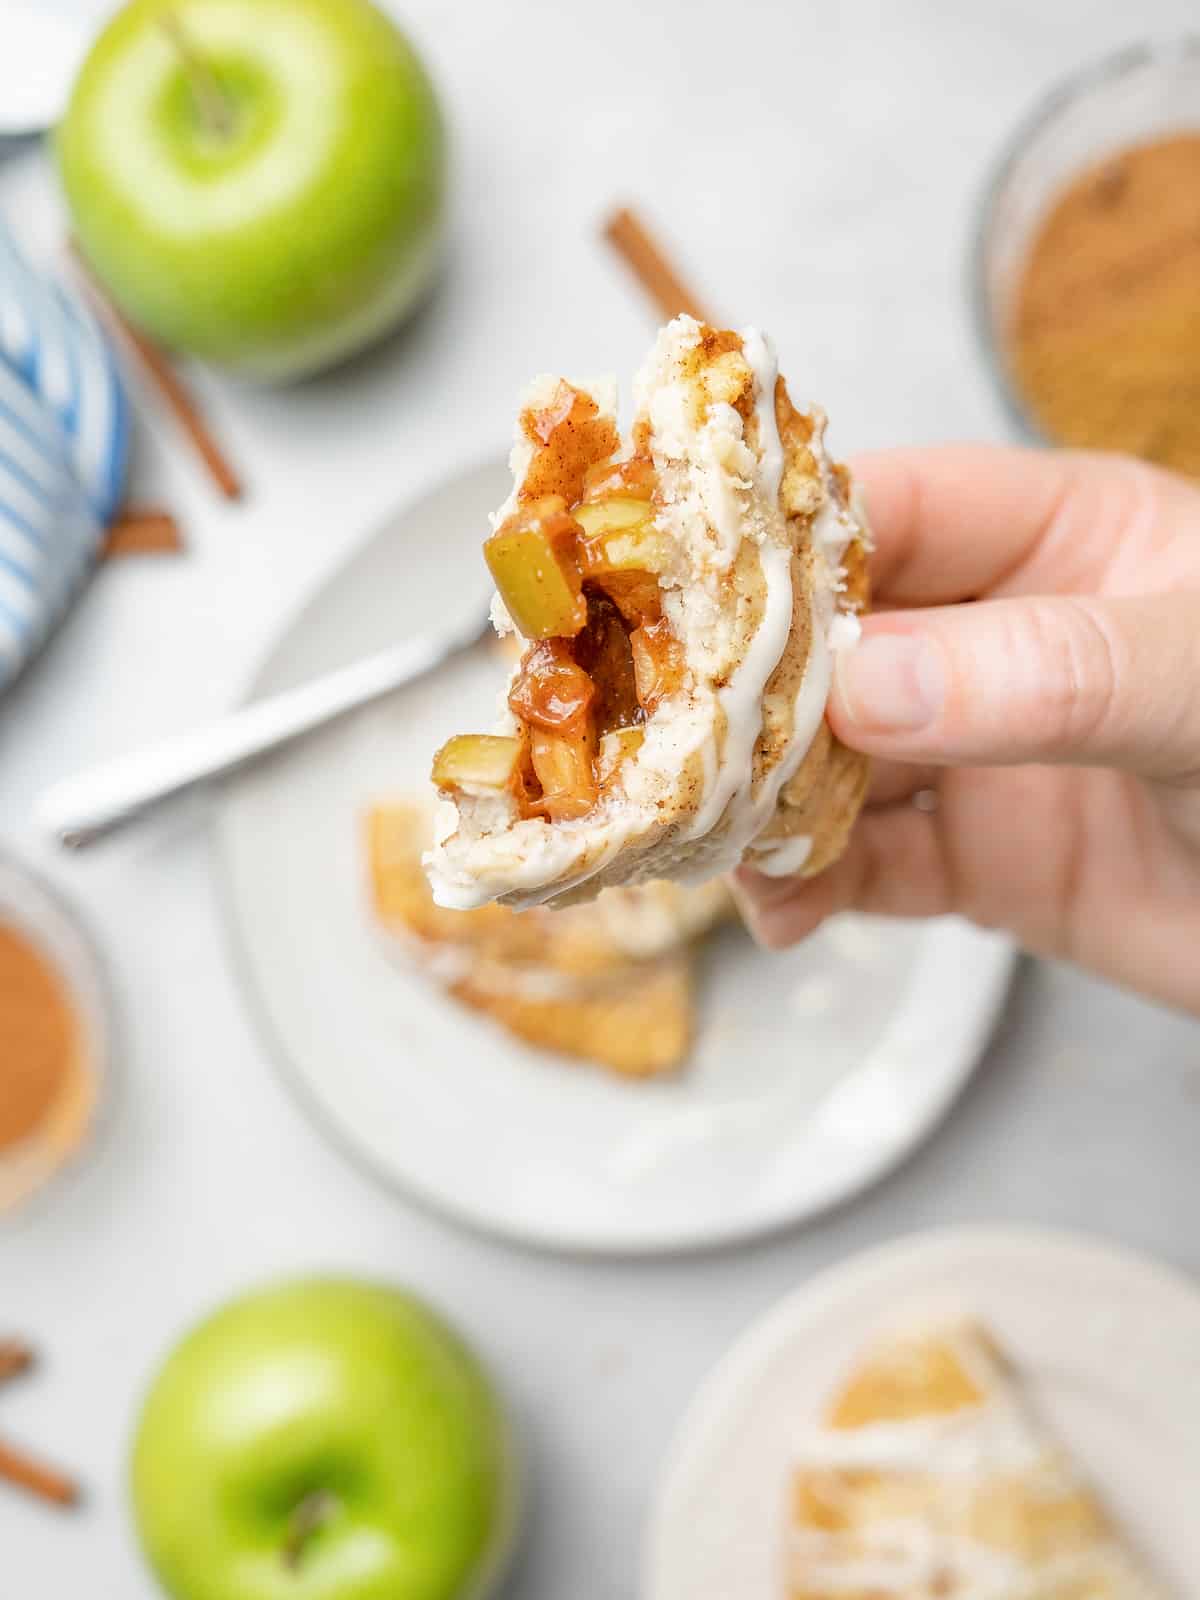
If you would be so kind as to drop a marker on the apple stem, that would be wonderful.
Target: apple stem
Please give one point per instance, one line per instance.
(211, 100)
(313, 1512)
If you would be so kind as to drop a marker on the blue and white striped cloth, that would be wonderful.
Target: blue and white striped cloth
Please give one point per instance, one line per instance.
(64, 446)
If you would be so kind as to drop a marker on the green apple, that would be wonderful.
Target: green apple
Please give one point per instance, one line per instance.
(323, 1440)
(256, 182)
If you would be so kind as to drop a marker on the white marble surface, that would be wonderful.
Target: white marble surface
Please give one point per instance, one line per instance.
(816, 168)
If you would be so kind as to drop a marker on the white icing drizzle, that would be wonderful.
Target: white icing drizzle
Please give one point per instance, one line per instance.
(741, 700)
(451, 964)
(833, 629)
(521, 859)
(648, 919)
(759, 352)
(844, 631)
(974, 1440)
(786, 857)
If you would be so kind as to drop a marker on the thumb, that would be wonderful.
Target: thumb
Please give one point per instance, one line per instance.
(1071, 679)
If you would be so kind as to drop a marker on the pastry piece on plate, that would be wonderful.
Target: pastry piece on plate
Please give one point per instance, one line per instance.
(930, 1480)
(678, 599)
(609, 982)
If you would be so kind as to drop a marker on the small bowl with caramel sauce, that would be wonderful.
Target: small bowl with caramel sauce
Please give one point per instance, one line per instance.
(55, 1038)
(1086, 262)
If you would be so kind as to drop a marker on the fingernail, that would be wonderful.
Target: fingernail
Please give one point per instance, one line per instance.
(891, 682)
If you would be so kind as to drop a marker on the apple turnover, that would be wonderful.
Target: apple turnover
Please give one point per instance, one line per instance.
(930, 1480)
(678, 600)
(609, 982)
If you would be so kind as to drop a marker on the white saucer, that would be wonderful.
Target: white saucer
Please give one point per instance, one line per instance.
(1108, 1344)
(814, 1072)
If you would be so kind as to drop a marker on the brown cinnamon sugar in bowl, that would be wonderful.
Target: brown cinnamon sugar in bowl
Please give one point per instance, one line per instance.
(39, 1038)
(53, 1037)
(1087, 260)
(1106, 330)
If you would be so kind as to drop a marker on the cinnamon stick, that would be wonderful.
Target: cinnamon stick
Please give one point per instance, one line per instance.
(171, 388)
(36, 1477)
(645, 259)
(15, 1357)
(143, 530)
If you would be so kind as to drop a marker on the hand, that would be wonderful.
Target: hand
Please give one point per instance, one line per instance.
(1039, 748)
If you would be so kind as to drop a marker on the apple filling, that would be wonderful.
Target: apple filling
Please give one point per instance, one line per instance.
(578, 564)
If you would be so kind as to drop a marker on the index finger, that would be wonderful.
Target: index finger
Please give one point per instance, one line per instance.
(952, 522)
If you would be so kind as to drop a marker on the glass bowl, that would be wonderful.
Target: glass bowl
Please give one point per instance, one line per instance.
(69, 1128)
(1145, 92)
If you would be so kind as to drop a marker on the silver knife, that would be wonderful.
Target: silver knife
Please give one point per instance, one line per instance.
(96, 803)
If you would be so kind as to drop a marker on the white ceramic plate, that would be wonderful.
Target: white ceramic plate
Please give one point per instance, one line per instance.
(1108, 1344)
(813, 1074)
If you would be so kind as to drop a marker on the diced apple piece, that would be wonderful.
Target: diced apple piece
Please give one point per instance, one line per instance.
(634, 591)
(565, 766)
(534, 560)
(636, 595)
(551, 691)
(479, 761)
(634, 477)
(624, 562)
(657, 663)
(616, 748)
(624, 547)
(617, 511)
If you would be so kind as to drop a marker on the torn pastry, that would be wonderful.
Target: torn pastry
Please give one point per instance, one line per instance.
(679, 600)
